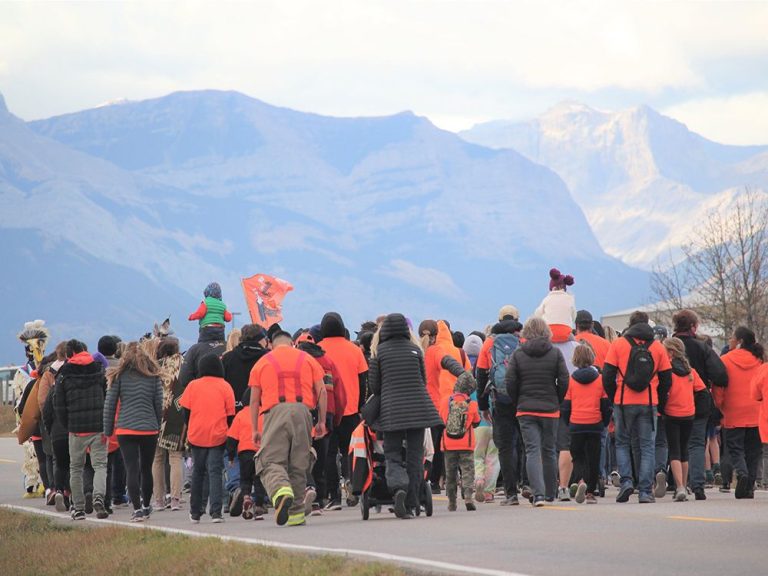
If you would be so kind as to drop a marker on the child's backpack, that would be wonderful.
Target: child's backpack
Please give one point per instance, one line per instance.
(458, 410)
(640, 366)
(501, 353)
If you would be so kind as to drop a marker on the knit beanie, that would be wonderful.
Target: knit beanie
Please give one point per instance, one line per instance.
(465, 383)
(509, 310)
(558, 281)
(213, 290)
(472, 345)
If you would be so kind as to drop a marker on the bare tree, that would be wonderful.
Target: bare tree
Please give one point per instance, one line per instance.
(724, 275)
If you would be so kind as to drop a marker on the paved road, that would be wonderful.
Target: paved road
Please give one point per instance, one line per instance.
(721, 536)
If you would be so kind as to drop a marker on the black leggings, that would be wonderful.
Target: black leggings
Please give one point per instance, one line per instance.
(42, 463)
(61, 464)
(339, 442)
(139, 454)
(585, 451)
(678, 435)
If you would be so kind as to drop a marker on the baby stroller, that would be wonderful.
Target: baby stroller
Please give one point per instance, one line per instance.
(369, 473)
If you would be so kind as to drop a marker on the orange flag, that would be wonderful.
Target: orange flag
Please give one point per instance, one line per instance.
(264, 295)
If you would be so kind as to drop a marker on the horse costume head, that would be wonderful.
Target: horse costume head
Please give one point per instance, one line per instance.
(34, 336)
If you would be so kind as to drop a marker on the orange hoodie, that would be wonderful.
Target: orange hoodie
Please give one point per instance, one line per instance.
(440, 382)
(760, 393)
(739, 408)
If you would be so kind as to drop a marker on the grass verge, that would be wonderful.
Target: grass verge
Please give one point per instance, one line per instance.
(7, 420)
(33, 545)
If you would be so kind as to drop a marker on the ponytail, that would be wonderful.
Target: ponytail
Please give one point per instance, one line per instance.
(748, 342)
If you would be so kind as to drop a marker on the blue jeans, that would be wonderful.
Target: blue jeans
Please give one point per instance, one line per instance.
(696, 454)
(232, 473)
(636, 422)
(209, 462)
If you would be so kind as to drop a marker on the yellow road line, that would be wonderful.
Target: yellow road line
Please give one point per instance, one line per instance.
(700, 519)
(5, 461)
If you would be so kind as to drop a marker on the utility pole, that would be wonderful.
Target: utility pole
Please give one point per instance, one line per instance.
(234, 319)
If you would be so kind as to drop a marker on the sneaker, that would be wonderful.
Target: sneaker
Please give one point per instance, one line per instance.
(680, 496)
(661, 484)
(435, 488)
(489, 498)
(236, 506)
(146, 511)
(175, 504)
(563, 494)
(615, 479)
(282, 508)
(526, 492)
(581, 493)
(452, 506)
(647, 498)
(625, 493)
(400, 510)
(89, 503)
(333, 505)
(137, 516)
(718, 478)
(78, 515)
(601, 487)
(194, 518)
(101, 511)
(590, 499)
(699, 494)
(158, 505)
(510, 501)
(742, 486)
(480, 491)
(109, 510)
(539, 501)
(573, 488)
(59, 502)
(50, 498)
(259, 511)
(470, 505)
(218, 519)
(352, 500)
(317, 510)
(247, 508)
(310, 494)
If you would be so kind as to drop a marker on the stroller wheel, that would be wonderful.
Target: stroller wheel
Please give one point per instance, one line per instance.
(365, 505)
(426, 495)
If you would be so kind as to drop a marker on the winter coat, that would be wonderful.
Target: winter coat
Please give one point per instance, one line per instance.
(558, 307)
(79, 398)
(537, 377)
(237, 367)
(141, 404)
(705, 361)
(397, 375)
(56, 430)
(208, 343)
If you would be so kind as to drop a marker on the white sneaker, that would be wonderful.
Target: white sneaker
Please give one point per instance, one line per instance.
(563, 494)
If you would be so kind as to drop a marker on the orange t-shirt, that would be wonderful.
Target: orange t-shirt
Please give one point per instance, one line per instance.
(599, 345)
(210, 401)
(242, 430)
(585, 401)
(265, 376)
(351, 363)
(760, 393)
(473, 419)
(680, 403)
(618, 355)
(484, 359)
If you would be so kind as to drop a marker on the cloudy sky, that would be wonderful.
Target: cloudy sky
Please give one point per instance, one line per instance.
(457, 62)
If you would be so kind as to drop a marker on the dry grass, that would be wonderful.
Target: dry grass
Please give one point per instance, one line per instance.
(7, 419)
(32, 545)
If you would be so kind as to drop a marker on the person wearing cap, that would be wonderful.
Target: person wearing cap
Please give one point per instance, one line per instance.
(585, 333)
(286, 384)
(506, 429)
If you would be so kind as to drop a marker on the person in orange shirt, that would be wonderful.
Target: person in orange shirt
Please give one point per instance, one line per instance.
(760, 393)
(461, 417)
(585, 333)
(635, 391)
(586, 409)
(240, 444)
(679, 410)
(351, 364)
(741, 412)
(210, 408)
(286, 385)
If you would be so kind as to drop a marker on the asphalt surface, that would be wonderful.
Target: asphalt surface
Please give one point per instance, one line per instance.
(721, 536)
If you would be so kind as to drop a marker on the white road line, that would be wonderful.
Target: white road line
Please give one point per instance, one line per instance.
(383, 556)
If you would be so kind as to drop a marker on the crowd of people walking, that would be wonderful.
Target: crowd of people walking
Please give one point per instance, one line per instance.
(555, 408)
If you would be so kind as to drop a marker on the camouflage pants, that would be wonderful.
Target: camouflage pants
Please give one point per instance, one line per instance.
(456, 460)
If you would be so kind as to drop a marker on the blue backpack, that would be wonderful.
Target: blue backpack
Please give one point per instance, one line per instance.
(501, 352)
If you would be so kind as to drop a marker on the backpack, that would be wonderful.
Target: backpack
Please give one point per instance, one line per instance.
(501, 353)
(640, 366)
(458, 411)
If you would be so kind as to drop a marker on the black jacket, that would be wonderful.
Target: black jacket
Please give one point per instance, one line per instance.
(537, 377)
(79, 397)
(482, 374)
(208, 343)
(398, 376)
(705, 361)
(237, 367)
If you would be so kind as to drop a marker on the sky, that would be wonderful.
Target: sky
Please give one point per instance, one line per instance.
(456, 62)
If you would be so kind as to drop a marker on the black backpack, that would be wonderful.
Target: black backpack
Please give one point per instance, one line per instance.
(640, 366)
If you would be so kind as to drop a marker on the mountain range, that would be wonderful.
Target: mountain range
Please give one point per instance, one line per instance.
(119, 216)
(644, 180)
